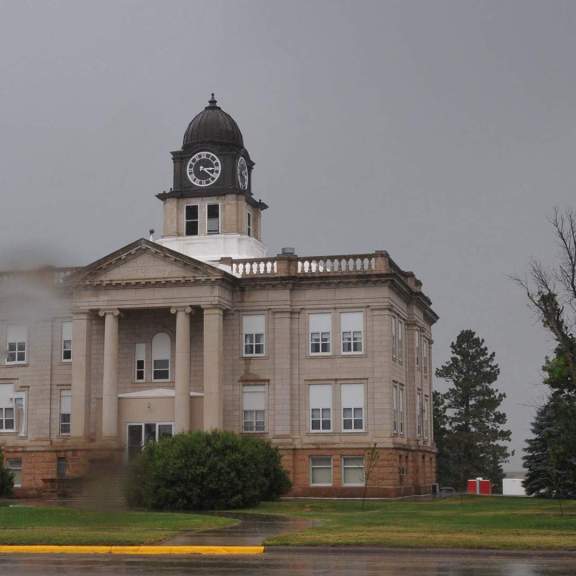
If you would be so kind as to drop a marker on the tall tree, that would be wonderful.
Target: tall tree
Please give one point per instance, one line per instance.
(551, 453)
(475, 425)
(441, 432)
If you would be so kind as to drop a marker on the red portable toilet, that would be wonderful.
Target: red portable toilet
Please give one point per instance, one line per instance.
(472, 487)
(479, 486)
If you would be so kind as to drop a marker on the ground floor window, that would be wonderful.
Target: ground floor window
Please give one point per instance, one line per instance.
(321, 471)
(353, 471)
(142, 433)
(15, 466)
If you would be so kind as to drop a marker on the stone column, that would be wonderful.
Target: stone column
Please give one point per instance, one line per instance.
(110, 377)
(80, 371)
(182, 370)
(213, 367)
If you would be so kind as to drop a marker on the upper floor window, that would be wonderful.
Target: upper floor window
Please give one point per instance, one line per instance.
(352, 399)
(398, 340)
(418, 348)
(66, 341)
(65, 412)
(320, 399)
(17, 344)
(425, 357)
(213, 219)
(254, 408)
(140, 363)
(254, 334)
(419, 413)
(249, 223)
(7, 413)
(192, 220)
(398, 407)
(161, 357)
(320, 331)
(352, 328)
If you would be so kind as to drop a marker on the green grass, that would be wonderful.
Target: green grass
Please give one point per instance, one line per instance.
(43, 525)
(470, 522)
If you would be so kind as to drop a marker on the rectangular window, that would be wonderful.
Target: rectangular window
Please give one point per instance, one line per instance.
(425, 357)
(7, 412)
(320, 470)
(140, 363)
(254, 408)
(15, 466)
(61, 467)
(21, 410)
(400, 341)
(419, 413)
(213, 219)
(139, 434)
(352, 399)
(426, 417)
(352, 471)
(249, 223)
(352, 328)
(394, 338)
(417, 345)
(398, 408)
(254, 330)
(320, 397)
(161, 369)
(320, 330)
(192, 220)
(17, 339)
(65, 412)
(66, 341)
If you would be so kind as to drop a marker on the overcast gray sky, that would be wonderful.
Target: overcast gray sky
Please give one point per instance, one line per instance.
(443, 131)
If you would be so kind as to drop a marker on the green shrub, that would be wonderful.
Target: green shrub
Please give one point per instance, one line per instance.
(6, 478)
(205, 471)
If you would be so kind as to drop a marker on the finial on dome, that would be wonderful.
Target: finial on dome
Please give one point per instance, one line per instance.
(212, 101)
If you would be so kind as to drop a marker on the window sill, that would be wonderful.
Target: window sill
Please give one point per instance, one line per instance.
(15, 364)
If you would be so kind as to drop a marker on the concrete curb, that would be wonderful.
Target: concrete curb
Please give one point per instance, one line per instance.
(135, 550)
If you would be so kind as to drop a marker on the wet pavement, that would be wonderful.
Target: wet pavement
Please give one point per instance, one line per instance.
(252, 530)
(294, 563)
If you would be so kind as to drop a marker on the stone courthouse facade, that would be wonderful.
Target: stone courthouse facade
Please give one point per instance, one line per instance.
(329, 357)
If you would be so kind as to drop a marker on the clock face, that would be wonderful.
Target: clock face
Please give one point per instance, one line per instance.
(203, 168)
(242, 173)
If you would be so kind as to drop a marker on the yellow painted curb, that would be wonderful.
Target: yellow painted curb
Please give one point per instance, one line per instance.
(132, 550)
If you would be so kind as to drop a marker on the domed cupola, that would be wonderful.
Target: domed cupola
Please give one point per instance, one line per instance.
(212, 126)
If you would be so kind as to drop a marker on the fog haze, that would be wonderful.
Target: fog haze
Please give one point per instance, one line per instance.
(441, 131)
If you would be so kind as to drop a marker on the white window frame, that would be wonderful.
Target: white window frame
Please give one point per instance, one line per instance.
(169, 358)
(7, 404)
(325, 337)
(142, 425)
(197, 220)
(18, 343)
(250, 337)
(394, 338)
(312, 467)
(140, 356)
(21, 397)
(208, 233)
(354, 467)
(401, 332)
(13, 467)
(66, 340)
(418, 349)
(65, 398)
(354, 406)
(398, 409)
(325, 408)
(354, 339)
(426, 417)
(425, 357)
(419, 413)
(260, 389)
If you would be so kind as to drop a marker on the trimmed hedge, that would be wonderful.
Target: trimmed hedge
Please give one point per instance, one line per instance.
(205, 471)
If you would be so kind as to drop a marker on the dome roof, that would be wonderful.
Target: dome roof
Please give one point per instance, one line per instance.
(213, 125)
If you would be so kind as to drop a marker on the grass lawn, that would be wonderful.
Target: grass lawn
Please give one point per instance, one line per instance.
(470, 522)
(43, 525)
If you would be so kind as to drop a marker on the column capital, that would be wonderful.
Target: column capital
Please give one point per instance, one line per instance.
(185, 309)
(106, 311)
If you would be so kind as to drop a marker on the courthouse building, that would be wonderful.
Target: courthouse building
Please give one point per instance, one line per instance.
(328, 357)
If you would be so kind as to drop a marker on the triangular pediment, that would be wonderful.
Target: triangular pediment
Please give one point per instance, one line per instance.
(145, 262)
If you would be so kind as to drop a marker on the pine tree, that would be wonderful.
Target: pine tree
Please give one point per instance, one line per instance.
(475, 425)
(551, 454)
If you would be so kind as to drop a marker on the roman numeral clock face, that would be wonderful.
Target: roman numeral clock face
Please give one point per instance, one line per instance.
(203, 168)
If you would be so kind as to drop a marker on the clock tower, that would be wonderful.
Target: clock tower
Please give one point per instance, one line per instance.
(210, 212)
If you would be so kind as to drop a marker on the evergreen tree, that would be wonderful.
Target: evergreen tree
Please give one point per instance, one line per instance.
(475, 429)
(6, 479)
(440, 420)
(551, 454)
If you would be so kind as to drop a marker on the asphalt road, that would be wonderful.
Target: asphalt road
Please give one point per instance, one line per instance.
(291, 563)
